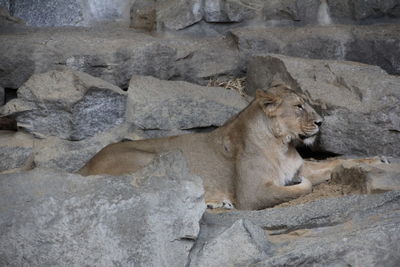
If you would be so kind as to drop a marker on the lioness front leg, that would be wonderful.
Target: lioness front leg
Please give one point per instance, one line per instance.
(257, 189)
(269, 194)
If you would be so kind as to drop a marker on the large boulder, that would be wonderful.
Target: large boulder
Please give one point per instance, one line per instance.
(16, 151)
(50, 13)
(59, 154)
(113, 55)
(357, 230)
(157, 104)
(6, 19)
(68, 104)
(2, 96)
(242, 244)
(359, 102)
(148, 219)
(178, 14)
(372, 44)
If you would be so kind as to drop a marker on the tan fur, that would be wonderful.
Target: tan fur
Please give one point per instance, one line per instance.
(248, 161)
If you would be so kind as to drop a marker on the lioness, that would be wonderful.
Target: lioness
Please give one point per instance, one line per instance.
(250, 161)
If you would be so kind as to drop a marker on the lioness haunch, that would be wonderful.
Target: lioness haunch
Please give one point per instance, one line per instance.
(248, 162)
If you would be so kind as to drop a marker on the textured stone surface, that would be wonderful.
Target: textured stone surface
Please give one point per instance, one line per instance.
(16, 151)
(112, 54)
(359, 102)
(48, 13)
(357, 230)
(241, 244)
(178, 14)
(149, 219)
(373, 44)
(143, 15)
(70, 156)
(68, 104)
(2, 96)
(156, 104)
(227, 11)
(5, 4)
(6, 19)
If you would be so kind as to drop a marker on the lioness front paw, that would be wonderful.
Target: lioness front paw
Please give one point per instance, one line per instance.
(306, 184)
(226, 204)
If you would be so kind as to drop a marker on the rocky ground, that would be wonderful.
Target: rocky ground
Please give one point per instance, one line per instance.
(66, 91)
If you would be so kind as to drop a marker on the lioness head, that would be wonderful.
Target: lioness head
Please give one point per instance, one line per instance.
(293, 119)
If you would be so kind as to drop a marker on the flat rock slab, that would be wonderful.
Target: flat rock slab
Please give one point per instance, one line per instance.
(372, 44)
(64, 155)
(241, 244)
(359, 102)
(157, 104)
(59, 219)
(16, 151)
(69, 104)
(358, 230)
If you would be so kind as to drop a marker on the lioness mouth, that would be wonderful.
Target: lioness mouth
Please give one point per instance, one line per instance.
(303, 136)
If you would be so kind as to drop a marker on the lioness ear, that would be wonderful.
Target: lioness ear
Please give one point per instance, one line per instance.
(267, 101)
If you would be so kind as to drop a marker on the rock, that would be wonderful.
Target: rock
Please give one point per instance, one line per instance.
(156, 104)
(359, 102)
(227, 11)
(5, 4)
(6, 19)
(16, 151)
(178, 14)
(68, 104)
(358, 230)
(50, 13)
(372, 44)
(53, 218)
(143, 15)
(203, 60)
(367, 179)
(2, 96)
(64, 155)
(224, 249)
(112, 54)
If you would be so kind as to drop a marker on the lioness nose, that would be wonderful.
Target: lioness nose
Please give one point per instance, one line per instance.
(318, 123)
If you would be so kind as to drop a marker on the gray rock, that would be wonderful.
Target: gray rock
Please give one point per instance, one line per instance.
(50, 13)
(373, 44)
(320, 213)
(64, 155)
(359, 230)
(68, 104)
(112, 54)
(6, 19)
(5, 4)
(178, 14)
(359, 102)
(242, 244)
(16, 151)
(203, 60)
(2, 96)
(227, 11)
(156, 104)
(149, 219)
(143, 15)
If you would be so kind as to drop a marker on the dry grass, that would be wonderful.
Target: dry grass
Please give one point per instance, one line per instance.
(238, 84)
